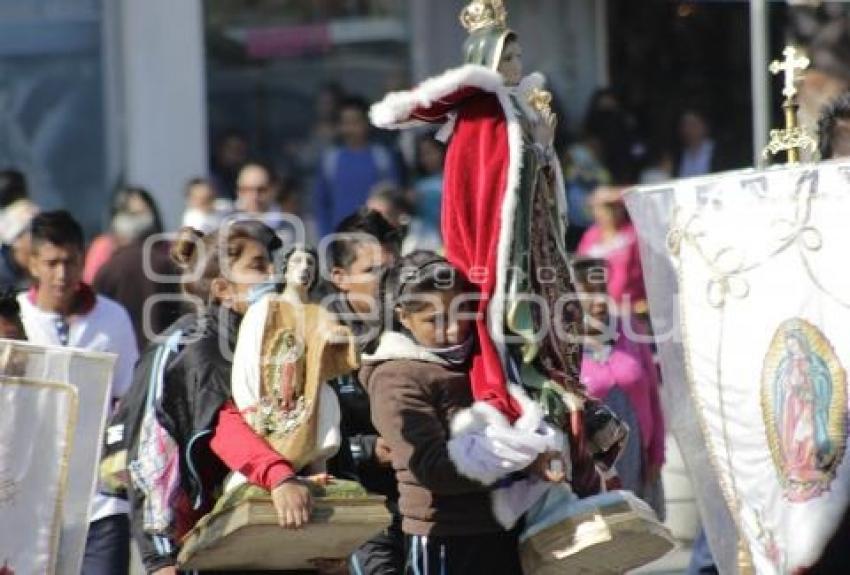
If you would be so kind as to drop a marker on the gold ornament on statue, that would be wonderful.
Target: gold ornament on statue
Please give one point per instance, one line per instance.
(540, 100)
(480, 14)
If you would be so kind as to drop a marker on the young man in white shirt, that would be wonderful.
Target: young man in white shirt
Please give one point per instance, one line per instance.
(61, 310)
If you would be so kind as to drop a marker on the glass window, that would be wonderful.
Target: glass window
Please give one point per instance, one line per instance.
(268, 60)
(51, 102)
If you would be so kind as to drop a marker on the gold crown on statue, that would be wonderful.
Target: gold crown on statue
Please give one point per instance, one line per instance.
(480, 14)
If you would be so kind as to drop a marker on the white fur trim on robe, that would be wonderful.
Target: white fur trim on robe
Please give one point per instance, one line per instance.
(395, 111)
(485, 447)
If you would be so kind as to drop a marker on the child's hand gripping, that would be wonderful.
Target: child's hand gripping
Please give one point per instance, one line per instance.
(293, 503)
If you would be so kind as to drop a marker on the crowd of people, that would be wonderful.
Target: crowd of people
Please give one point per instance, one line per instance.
(246, 235)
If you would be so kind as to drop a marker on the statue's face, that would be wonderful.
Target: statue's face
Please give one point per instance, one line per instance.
(300, 269)
(510, 64)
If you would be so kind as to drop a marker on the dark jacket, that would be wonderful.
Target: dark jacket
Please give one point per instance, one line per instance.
(357, 456)
(414, 394)
(125, 279)
(12, 276)
(196, 386)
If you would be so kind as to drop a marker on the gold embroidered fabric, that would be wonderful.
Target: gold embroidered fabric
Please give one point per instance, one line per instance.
(303, 346)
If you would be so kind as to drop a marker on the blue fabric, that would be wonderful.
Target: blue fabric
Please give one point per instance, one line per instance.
(429, 194)
(701, 559)
(108, 547)
(345, 180)
(560, 504)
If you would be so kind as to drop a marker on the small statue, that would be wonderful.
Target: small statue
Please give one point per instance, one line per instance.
(288, 348)
(300, 273)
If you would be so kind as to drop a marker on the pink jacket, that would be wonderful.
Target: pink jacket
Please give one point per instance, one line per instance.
(625, 275)
(631, 367)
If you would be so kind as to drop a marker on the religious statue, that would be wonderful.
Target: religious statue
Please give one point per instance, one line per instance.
(300, 273)
(504, 228)
(504, 225)
(288, 349)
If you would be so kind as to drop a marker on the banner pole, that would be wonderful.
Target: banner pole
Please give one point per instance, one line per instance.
(760, 78)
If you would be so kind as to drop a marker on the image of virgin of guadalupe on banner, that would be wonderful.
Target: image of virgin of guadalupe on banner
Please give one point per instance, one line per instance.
(750, 302)
(504, 227)
(54, 402)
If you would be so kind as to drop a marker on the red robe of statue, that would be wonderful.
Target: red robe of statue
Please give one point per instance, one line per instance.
(481, 181)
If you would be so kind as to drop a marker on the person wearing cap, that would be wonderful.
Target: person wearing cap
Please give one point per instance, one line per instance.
(15, 247)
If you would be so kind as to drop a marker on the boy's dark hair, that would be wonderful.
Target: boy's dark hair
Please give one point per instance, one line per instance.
(58, 228)
(419, 273)
(13, 187)
(354, 103)
(351, 231)
(835, 115)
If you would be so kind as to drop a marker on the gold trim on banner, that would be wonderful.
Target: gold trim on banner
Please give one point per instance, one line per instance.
(70, 427)
(729, 494)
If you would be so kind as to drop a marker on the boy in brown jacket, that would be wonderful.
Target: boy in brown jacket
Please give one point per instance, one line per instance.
(417, 381)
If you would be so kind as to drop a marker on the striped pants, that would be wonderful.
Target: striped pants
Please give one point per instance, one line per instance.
(490, 554)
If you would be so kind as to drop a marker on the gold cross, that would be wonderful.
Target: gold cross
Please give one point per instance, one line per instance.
(792, 63)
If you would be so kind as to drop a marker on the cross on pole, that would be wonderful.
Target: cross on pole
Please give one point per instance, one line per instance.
(793, 62)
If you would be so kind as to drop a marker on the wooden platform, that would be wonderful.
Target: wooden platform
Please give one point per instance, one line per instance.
(611, 539)
(245, 534)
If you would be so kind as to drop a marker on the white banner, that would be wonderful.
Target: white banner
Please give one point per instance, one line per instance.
(37, 431)
(750, 294)
(89, 374)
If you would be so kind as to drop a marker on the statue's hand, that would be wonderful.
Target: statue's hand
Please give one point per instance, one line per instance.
(544, 131)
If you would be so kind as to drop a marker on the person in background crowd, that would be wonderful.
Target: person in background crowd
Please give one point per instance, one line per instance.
(256, 190)
(13, 187)
(15, 221)
(348, 172)
(622, 374)
(424, 229)
(659, 167)
(139, 270)
(365, 245)
(834, 129)
(11, 326)
(16, 213)
(231, 154)
(62, 310)
(584, 173)
(699, 154)
(323, 132)
(611, 125)
(392, 203)
(614, 239)
(204, 210)
(133, 213)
